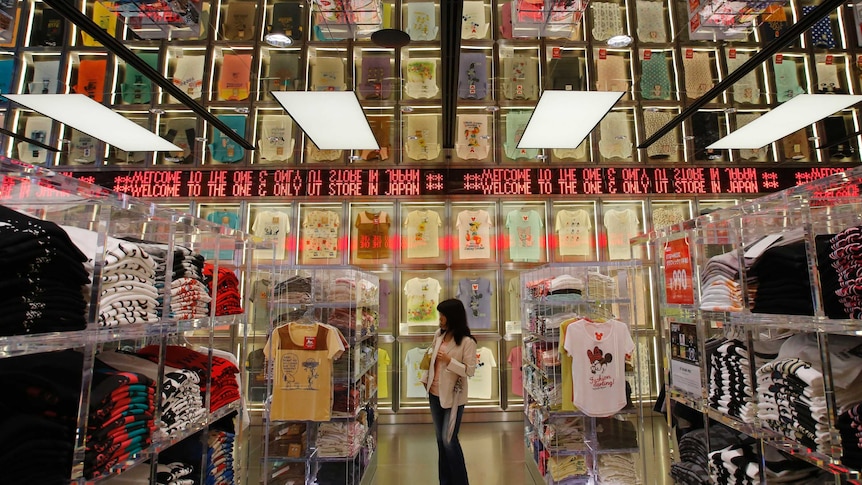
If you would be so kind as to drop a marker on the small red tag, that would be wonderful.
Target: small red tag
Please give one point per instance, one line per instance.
(689, 53)
(647, 54)
(731, 53)
(859, 61)
(829, 59)
(555, 53)
(310, 343)
(779, 58)
(603, 54)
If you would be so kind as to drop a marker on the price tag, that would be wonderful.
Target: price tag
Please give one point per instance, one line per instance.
(647, 54)
(603, 54)
(555, 53)
(731, 53)
(689, 53)
(779, 58)
(678, 272)
(829, 59)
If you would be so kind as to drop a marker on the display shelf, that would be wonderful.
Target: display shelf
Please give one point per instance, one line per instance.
(356, 376)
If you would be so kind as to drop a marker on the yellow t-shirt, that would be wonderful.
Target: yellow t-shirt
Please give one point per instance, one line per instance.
(383, 363)
(106, 19)
(302, 356)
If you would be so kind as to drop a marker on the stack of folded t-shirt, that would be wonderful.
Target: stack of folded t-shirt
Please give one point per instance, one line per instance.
(735, 464)
(295, 289)
(792, 402)
(227, 297)
(600, 287)
(127, 291)
(720, 284)
(781, 468)
(175, 473)
(846, 259)
(345, 399)
(122, 408)
(730, 387)
(618, 469)
(220, 458)
(180, 464)
(43, 277)
(180, 397)
(340, 438)
(693, 466)
(40, 408)
(783, 282)
(567, 467)
(224, 387)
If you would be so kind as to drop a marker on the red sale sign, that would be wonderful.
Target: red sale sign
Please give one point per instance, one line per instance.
(678, 272)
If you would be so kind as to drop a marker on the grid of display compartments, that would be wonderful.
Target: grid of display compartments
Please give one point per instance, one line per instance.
(772, 373)
(316, 432)
(567, 444)
(415, 242)
(50, 197)
(227, 67)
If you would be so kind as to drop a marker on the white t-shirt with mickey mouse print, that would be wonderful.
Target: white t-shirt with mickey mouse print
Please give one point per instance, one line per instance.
(598, 353)
(481, 383)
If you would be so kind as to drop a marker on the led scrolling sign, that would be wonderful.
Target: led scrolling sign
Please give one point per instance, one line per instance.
(408, 182)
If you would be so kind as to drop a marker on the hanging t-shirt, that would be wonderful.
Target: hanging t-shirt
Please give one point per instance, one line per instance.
(515, 360)
(655, 76)
(272, 226)
(598, 353)
(481, 384)
(320, 234)
(412, 373)
(38, 128)
(513, 288)
(372, 235)
(423, 232)
(525, 229)
(228, 219)
(301, 356)
(421, 137)
(189, 75)
(520, 77)
(566, 369)
(422, 295)
(421, 21)
(45, 75)
(476, 294)
(327, 74)
(474, 234)
(786, 79)
(234, 79)
(91, 78)
(747, 89)
(105, 19)
(621, 225)
(383, 363)
(83, 148)
(575, 232)
(259, 296)
(283, 70)
(224, 149)
(239, 21)
(276, 138)
(137, 88)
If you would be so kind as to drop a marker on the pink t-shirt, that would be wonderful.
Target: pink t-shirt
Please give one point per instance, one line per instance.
(514, 359)
(439, 367)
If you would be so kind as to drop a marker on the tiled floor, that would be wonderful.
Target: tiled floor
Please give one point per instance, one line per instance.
(407, 454)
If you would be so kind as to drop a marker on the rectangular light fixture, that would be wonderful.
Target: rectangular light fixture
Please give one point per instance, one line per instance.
(96, 120)
(334, 120)
(562, 119)
(793, 115)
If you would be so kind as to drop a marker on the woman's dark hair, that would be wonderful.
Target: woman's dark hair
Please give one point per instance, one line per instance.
(456, 319)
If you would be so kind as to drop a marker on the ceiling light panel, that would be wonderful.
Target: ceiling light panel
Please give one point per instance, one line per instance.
(562, 119)
(334, 120)
(802, 110)
(96, 120)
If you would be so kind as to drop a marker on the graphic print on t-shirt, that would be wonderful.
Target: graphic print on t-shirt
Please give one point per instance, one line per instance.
(598, 364)
(474, 234)
(299, 375)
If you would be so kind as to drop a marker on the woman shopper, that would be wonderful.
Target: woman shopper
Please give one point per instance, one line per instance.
(453, 360)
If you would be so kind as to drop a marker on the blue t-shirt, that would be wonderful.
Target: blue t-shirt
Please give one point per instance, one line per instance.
(475, 294)
(224, 149)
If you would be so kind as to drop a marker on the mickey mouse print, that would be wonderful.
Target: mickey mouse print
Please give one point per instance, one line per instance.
(598, 353)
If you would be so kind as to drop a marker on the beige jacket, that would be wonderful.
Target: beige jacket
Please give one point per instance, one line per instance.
(463, 364)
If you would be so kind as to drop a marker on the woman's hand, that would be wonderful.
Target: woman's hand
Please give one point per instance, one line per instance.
(443, 357)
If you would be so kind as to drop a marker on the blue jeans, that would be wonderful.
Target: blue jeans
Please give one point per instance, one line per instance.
(450, 458)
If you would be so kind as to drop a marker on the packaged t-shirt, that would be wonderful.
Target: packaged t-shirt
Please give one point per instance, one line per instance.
(189, 75)
(50, 31)
(423, 233)
(376, 77)
(516, 123)
(83, 148)
(283, 71)
(287, 17)
(105, 19)
(239, 21)
(422, 296)
(37, 128)
(473, 76)
(380, 129)
(181, 132)
(421, 78)
(474, 21)
(45, 75)
(525, 230)
(327, 74)
(224, 149)
(474, 234)
(472, 137)
(520, 77)
(421, 21)
(137, 88)
(234, 79)
(421, 137)
(276, 138)
(91, 78)
(621, 225)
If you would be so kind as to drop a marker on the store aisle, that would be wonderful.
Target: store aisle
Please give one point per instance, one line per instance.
(494, 453)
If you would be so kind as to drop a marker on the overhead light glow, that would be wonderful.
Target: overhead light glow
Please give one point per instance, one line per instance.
(334, 120)
(620, 41)
(96, 120)
(278, 39)
(562, 119)
(793, 115)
